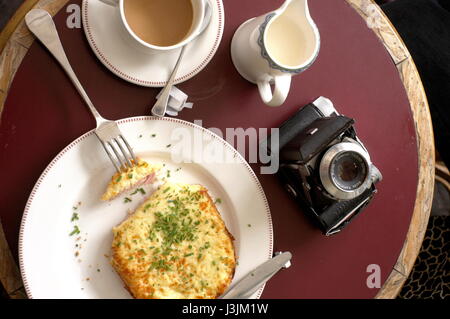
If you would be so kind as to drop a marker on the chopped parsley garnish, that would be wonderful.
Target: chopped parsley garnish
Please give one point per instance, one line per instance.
(75, 231)
(173, 228)
(160, 264)
(168, 173)
(153, 135)
(206, 246)
(74, 217)
(130, 176)
(140, 190)
(167, 251)
(118, 179)
(218, 201)
(174, 225)
(168, 145)
(127, 200)
(140, 135)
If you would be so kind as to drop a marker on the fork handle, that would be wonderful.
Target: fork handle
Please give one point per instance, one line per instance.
(42, 26)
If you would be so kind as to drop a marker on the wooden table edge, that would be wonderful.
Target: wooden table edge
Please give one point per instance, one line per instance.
(15, 41)
(12, 24)
(388, 35)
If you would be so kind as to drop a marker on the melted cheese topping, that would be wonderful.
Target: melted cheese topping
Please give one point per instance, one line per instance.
(175, 246)
(129, 178)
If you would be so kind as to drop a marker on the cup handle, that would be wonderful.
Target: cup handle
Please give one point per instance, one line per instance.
(279, 95)
(113, 3)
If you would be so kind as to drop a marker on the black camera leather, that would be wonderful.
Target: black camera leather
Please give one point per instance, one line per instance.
(335, 212)
(297, 123)
(314, 138)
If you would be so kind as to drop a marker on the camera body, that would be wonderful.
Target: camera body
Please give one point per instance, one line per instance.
(325, 167)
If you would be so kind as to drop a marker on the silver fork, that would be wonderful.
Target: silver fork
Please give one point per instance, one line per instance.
(42, 26)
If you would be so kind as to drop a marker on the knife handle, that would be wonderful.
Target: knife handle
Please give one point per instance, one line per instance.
(245, 287)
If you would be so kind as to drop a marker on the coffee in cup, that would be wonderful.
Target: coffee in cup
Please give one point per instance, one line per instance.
(159, 22)
(153, 26)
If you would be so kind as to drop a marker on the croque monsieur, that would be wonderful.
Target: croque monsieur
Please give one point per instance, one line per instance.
(139, 174)
(175, 245)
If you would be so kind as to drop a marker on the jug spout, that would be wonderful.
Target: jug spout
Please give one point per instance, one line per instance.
(295, 7)
(289, 38)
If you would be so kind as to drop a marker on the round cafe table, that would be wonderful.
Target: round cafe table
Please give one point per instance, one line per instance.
(363, 67)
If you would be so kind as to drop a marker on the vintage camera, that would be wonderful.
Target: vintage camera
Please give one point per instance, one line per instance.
(325, 166)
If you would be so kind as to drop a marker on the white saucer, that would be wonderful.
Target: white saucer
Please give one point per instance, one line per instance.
(101, 26)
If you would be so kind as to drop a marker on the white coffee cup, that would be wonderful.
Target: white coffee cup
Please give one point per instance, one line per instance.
(130, 36)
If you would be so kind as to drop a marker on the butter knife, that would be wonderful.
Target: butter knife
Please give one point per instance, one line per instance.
(251, 282)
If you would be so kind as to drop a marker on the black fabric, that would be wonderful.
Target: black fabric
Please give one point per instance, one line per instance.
(424, 26)
(430, 277)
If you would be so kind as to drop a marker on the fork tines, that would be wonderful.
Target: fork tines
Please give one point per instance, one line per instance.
(120, 159)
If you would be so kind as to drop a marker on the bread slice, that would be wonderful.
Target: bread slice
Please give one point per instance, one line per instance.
(141, 173)
(175, 245)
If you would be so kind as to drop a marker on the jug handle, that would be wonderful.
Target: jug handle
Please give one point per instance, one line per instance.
(280, 92)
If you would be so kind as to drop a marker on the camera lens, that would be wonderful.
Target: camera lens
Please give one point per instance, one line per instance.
(348, 170)
(345, 170)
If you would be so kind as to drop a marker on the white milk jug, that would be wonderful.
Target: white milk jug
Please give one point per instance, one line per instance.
(270, 49)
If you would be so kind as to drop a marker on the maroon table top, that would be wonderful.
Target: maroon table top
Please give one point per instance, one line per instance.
(43, 113)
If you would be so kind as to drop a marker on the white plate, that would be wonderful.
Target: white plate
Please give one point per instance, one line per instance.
(101, 26)
(80, 173)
